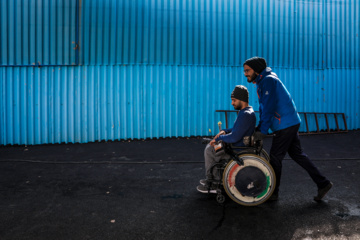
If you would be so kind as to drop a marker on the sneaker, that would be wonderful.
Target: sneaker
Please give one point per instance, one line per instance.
(205, 189)
(203, 182)
(273, 197)
(322, 192)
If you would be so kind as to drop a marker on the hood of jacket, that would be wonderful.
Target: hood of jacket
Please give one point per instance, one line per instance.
(267, 71)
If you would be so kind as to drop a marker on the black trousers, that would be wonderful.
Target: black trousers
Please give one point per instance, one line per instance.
(287, 141)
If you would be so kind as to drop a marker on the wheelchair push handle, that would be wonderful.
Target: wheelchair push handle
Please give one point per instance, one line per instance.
(258, 144)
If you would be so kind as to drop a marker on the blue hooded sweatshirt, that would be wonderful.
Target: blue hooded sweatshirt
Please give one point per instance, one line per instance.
(277, 108)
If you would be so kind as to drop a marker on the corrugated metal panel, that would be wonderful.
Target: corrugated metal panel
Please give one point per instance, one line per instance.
(342, 28)
(94, 103)
(38, 32)
(291, 34)
(163, 32)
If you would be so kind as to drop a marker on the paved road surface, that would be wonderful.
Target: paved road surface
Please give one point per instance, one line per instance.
(146, 190)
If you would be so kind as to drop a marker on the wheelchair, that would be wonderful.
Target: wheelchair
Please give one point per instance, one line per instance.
(247, 177)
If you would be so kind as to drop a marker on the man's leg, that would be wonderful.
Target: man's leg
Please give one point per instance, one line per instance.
(281, 142)
(212, 173)
(297, 154)
(211, 158)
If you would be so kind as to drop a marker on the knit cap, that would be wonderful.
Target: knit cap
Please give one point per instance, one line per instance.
(258, 64)
(241, 93)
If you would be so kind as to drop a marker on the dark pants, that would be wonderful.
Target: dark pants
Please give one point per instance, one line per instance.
(287, 141)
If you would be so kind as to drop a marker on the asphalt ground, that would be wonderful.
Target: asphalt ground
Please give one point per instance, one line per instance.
(147, 190)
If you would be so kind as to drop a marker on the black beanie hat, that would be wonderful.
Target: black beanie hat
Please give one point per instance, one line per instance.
(241, 93)
(258, 64)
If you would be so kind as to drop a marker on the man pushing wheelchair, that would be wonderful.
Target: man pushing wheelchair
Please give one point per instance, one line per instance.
(248, 178)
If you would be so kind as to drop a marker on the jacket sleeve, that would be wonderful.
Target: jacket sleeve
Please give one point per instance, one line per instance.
(227, 130)
(268, 101)
(239, 129)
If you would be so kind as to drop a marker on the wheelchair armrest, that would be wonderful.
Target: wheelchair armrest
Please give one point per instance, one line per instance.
(237, 151)
(239, 148)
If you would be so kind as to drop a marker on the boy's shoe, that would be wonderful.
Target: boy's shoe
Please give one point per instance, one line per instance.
(322, 192)
(206, 189)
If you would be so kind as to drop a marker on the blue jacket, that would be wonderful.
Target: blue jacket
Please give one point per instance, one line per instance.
(277, 108)
(244, 126)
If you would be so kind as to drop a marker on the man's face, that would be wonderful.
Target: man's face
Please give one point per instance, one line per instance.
(237, 104)
(249, 73)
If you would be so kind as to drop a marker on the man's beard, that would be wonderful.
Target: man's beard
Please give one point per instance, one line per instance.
(252, 78)
(238, 107)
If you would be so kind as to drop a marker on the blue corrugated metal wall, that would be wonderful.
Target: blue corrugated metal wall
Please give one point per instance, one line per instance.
(107, 70)
(89, 103)
(38, 32)
(313, 34)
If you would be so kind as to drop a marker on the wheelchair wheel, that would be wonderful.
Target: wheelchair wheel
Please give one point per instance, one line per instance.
(265, 155)
(250, 184)
(262, 154)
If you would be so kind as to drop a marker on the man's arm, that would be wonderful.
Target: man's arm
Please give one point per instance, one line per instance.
(227, 130)
(243, 121)
(268, 101)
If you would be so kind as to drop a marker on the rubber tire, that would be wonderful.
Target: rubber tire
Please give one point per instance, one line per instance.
(265, 164)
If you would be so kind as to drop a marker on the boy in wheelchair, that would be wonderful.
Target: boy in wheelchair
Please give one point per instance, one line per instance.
(238, 136)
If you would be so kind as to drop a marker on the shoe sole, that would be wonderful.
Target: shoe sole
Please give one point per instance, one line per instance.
(326, 190)
(211, 191)
(207, 191)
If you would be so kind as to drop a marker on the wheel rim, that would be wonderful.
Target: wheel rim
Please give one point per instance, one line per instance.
(256, 197)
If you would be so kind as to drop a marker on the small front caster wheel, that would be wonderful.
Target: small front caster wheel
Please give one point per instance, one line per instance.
(220, 198)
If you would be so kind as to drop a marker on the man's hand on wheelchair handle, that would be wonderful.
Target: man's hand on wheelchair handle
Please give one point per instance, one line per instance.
(259, 136)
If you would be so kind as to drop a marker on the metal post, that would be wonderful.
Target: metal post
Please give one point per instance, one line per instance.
(317, 123)
(307, 125)
(337, 123)
(327, 122)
